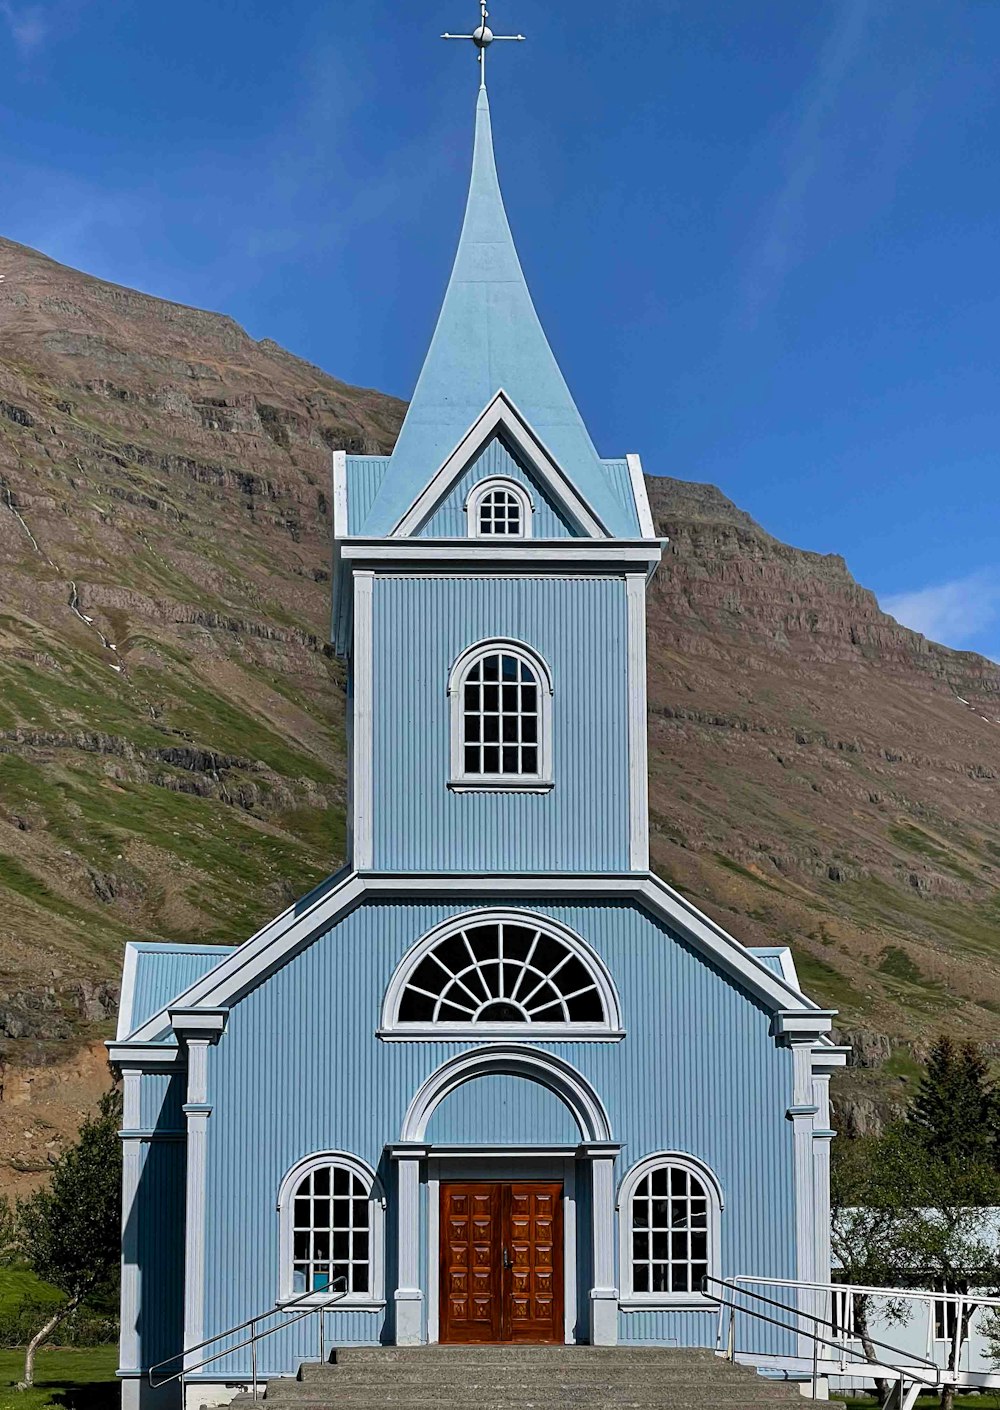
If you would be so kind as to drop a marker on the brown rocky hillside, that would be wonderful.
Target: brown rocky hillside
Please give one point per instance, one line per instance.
(171, 721)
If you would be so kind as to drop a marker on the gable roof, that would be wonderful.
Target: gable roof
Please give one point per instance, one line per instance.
(488, 336)
(278, 942)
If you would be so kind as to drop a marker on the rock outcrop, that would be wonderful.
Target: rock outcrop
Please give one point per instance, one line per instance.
(172, 720)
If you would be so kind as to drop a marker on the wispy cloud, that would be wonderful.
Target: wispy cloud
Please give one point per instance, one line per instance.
(962, 613)
(775, 252)
(28, 24)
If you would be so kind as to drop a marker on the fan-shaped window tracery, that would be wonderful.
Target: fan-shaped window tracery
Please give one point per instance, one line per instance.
(503, 973)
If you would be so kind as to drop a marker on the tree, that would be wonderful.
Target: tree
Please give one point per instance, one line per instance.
(872, 1213)
(8, 1233)
(70, 1231)
(953, 1114)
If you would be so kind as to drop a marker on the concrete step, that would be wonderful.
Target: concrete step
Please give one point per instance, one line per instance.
(527, 1378)
(508, 1352)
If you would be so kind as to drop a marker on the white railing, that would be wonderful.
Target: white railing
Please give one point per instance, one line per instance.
(823, 1316)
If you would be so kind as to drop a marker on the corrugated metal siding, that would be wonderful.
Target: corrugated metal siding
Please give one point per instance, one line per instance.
(300, 1070)
(508, 1109)
(163, 971)
(578, 626)
(161, 1101)
(620, 482)
(365, 474)
(451, 521)
(154, 1239)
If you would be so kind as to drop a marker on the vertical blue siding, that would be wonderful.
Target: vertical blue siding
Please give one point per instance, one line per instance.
(161, 1101)
(451, 521)
(163, 971)
(696, 1072)
(508, 1109)
(578, 626)
(365, 474)
(153, 1239)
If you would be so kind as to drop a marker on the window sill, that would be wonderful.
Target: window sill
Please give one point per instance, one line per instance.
(507, 1033)
(668, 1302)
(332, 1303)
(501, 785)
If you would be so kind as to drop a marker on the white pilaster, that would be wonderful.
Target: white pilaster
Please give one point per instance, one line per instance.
(408, 1297)
(363, 732)
(802, 1113)
(603, 1294)
(128, 1343)
(638, 786)
(197, 1111)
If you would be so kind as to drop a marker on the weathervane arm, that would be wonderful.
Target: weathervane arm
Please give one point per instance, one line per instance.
(482, 38)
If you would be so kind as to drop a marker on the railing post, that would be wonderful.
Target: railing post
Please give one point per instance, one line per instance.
(253, 1354)
(322, 1334)
(815, 1365)
(731, 1340)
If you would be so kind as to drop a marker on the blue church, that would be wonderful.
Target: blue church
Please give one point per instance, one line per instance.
(493, 1082)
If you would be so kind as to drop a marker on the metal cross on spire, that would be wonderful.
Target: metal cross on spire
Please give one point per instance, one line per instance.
(482, 37)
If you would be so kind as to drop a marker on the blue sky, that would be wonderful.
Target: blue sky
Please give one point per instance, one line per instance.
(762, 237)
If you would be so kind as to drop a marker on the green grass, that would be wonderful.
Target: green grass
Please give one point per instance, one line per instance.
(70, 1378)
(824, 983)
(897, 963)
(914, 839)
(17, 1284)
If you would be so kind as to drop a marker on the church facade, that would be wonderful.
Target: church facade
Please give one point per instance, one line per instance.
(494, 1081)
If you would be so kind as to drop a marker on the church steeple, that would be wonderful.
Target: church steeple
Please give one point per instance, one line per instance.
(488, 338)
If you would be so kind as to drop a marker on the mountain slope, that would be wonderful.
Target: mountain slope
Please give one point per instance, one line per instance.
(172, 724)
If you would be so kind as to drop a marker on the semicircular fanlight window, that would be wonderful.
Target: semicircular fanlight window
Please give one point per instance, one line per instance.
(501, 972)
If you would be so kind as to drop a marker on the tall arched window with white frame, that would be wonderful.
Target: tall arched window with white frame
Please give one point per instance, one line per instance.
(670, 1207)
(501, 718)
(331, 1231)
(498, 507)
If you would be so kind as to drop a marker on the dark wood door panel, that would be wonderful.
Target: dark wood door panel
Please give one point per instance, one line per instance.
(471, 1308)
(533, 1301)
(501, 1262)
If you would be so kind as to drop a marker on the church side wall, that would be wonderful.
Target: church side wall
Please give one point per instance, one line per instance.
(300, 1070)
(578, 625)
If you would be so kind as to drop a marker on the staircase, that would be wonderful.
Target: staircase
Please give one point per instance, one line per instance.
(526, 1378)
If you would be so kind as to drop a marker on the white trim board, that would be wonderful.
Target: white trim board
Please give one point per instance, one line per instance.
(500, 413)
(278, 941)
(646, 526)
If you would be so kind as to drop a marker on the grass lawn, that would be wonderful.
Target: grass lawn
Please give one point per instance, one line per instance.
(18, 1284)
(70, 1378)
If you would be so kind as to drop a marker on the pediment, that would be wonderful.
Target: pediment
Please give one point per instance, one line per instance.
(500, 419)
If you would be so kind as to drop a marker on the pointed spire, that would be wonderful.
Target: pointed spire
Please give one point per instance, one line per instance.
(488, 338)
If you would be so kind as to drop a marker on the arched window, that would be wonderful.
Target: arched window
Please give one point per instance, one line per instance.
(330, 1210)
(501, 972)
(670, 1207)
(499, 508)
(501, 695)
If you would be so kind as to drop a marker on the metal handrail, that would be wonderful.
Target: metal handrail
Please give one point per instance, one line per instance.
(251, 1341)
(903, 1372)
(966, 1305)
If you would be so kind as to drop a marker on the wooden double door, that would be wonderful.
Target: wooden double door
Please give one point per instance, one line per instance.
(501, 1262)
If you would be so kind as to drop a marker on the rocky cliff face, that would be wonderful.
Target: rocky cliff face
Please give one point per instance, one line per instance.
(171, 721)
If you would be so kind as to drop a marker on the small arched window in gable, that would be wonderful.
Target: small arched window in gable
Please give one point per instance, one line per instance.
(505, 973)
(501, 718)
(499, 508)
(670, 1210)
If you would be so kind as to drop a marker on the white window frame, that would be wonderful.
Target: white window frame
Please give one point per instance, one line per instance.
(460, 781)
(610, 1030)
(479, 492)
(679, 1160)
(374, 1298)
